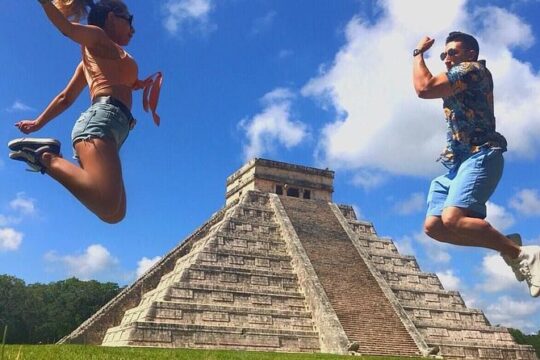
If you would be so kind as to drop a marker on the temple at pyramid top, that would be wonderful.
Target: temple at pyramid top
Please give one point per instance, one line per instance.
(280, 178)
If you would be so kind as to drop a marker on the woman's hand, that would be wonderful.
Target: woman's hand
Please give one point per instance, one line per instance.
(28, 126)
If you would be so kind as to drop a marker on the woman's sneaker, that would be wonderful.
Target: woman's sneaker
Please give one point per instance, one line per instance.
(529, 266)
(34, 144)
(514, 263)
(32, 157)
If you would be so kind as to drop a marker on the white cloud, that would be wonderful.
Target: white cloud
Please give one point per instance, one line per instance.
(23, 204)
(415, 203)
(498, 217)
(449, 280)
(273, 125)
(358, 212)
(19, 106)
(368, 179)
(435, 250)
(10, 239)
(182, 13)
(381, 125)
(405, 246)
(285, 53)
(6, 220)
(498, 275)
(145, 263)
(263, 23)
(526, 202)
(95, 261)
(515, 313)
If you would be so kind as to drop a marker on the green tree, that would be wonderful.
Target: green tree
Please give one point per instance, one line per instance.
(521, 338)
(44, 313)
(12, 299)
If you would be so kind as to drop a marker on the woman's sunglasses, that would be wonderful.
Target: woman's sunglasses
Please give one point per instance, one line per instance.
(450, 52)
(128, 18)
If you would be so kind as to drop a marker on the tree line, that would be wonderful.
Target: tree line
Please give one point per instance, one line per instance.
(44, 313)
(523, 339)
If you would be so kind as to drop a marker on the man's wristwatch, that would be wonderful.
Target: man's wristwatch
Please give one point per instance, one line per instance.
(414, 53)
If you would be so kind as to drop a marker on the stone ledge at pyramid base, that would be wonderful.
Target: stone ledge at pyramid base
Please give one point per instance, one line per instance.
(211, 337)
(476, 351)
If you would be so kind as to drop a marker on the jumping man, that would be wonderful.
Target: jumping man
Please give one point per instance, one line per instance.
(473, 156)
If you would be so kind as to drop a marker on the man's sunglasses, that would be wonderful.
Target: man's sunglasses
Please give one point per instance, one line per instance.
(128, 18)
(450, 52)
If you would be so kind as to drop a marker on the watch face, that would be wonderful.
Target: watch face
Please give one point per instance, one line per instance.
(416, 52)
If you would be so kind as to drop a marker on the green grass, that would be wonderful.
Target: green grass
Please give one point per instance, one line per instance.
(80, 352)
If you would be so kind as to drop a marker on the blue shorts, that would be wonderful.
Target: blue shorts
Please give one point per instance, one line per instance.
(102, 121)
(468, 185)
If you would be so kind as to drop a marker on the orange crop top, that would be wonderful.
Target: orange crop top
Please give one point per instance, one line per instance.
(102, 73)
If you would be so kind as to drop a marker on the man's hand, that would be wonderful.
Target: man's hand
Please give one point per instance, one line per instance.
(425, 44)
(28, 126)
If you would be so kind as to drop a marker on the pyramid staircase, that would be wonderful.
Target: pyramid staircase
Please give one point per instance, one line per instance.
(235, 289)
(441, 316)
(286, 274)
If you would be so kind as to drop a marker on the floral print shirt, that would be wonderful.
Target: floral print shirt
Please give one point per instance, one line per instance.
(469, 112)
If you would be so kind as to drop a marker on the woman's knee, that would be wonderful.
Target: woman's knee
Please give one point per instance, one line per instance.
(114, 218)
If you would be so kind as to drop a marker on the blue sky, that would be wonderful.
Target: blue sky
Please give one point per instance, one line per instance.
(319, 83)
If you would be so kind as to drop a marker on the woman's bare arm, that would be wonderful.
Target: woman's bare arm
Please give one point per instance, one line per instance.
(59, 104)
(86, 35)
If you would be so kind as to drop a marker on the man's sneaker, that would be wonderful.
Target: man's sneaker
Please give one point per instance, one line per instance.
(34, 144)
(529, 266)
(31, 157)
(514, 263)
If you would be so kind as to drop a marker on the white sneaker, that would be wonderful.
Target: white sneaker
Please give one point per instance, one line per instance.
(514, 263)
(529, 266)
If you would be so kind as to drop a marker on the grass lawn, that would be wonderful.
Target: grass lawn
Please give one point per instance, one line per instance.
(80, 352)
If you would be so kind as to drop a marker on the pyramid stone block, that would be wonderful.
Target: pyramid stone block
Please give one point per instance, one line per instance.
(283, 268)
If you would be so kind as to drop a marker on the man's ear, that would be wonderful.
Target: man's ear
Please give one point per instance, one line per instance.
(472, 55)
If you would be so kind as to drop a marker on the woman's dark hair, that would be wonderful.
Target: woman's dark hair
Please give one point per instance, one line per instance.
(95, 12)
(468, 41)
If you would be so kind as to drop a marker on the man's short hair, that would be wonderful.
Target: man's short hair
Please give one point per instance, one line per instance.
(468, 41)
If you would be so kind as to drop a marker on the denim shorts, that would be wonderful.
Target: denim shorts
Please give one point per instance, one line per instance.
(102, 121)
(468, 185)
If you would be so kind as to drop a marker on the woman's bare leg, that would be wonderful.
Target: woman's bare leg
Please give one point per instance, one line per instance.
(98, 183)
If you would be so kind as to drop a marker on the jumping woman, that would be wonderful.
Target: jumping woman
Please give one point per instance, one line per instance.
(111, 75)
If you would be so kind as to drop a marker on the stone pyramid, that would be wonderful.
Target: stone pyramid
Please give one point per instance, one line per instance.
(282, 268)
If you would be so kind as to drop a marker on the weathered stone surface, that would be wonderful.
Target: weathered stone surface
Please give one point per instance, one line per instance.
(292, 274)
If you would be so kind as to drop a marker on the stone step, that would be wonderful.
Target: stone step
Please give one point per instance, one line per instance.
(227, 233)
(246, 279)
(465, 311)
(449, 318)
(423, 323)
(245, 260)
(360, 304)
(247, 224)
(428, 298)
(219, 250)
(390, 262)
(419, 281)
(218, 294)
(206, 336)
(275, 246)
(490, 351)
(362, 227)
(221, 315)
